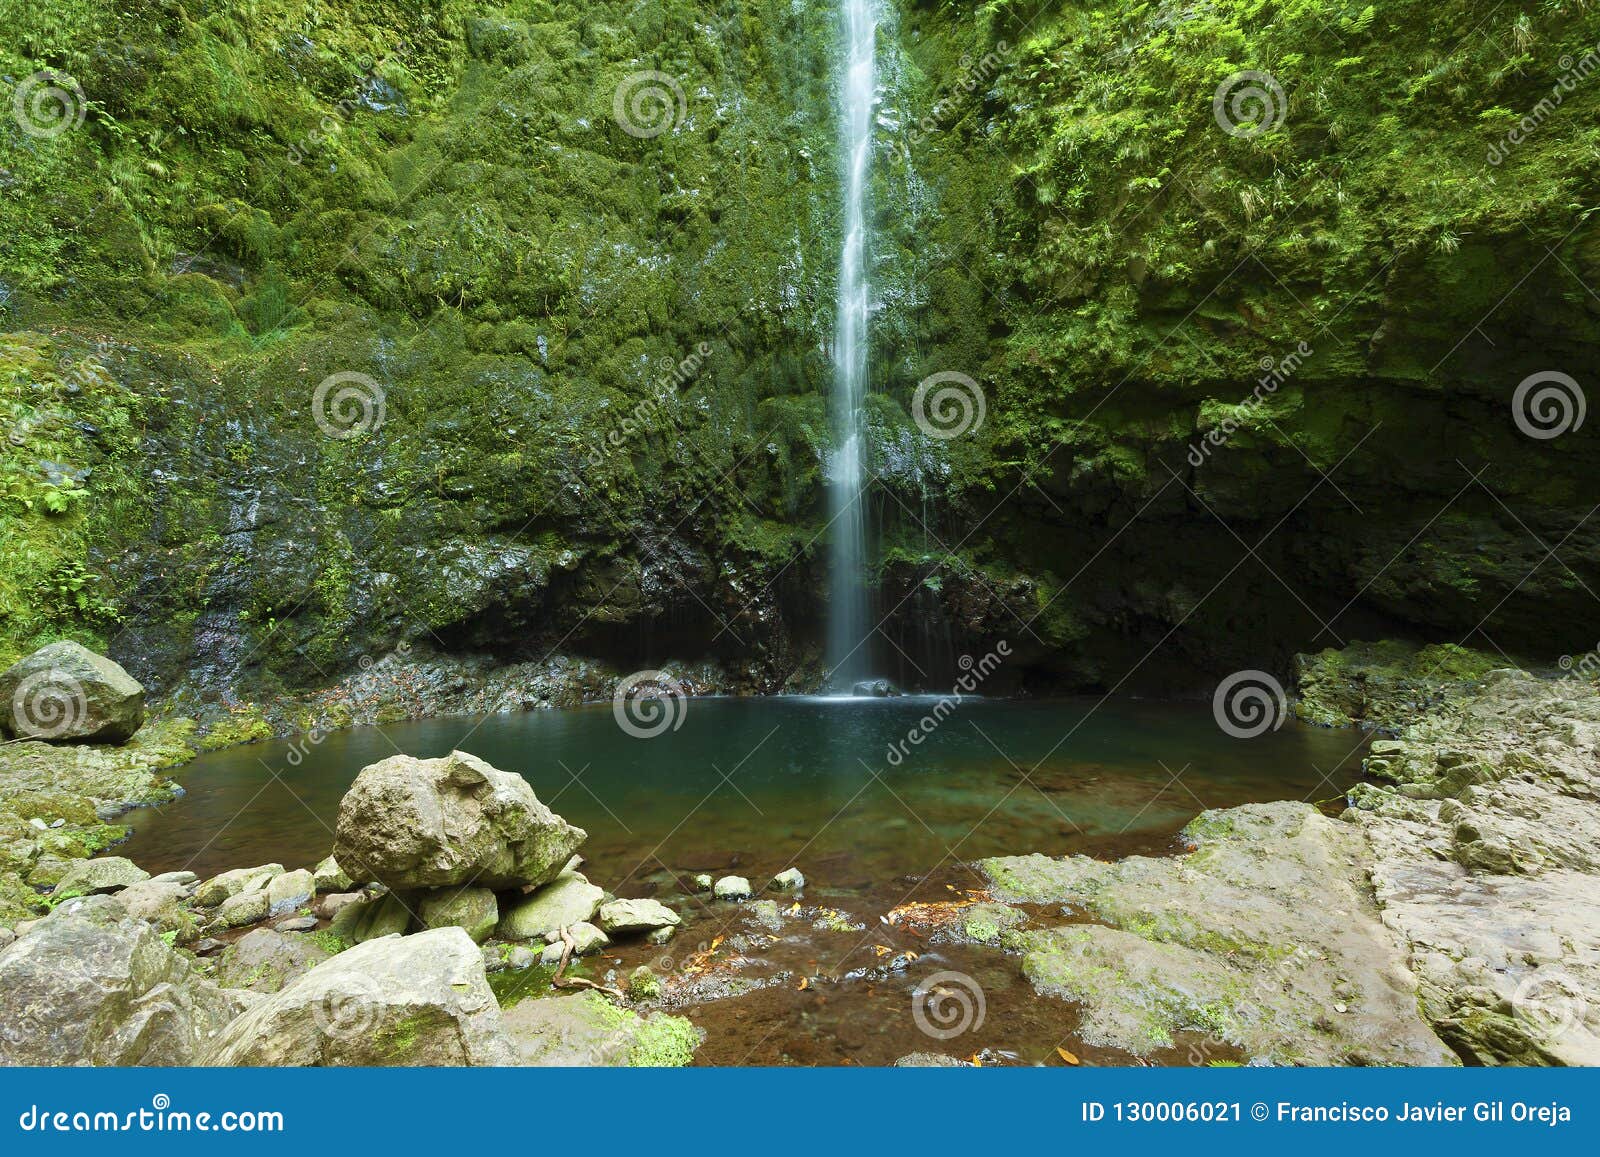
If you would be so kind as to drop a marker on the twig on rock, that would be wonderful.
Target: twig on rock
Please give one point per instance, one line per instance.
(562, 981)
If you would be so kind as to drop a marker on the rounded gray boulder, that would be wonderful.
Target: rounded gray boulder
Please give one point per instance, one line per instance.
(437, 823)
(65, 693)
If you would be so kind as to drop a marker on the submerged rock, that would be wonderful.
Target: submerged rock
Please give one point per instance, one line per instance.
(434, 823)
(66, 693)
(89, 984)
(400, 1000)
(588, 1031)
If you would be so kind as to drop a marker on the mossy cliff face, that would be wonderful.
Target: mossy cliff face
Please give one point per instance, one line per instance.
(599, 350)
(580, 313)
(1120, 273)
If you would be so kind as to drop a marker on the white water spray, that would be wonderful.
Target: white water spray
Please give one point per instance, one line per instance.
(848, 652)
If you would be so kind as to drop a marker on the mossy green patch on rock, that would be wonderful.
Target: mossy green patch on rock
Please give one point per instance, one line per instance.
(1385, 684)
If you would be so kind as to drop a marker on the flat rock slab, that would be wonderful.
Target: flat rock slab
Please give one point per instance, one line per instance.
(1257, 940)
(623, 917)
(105, 874)
(1485, 859)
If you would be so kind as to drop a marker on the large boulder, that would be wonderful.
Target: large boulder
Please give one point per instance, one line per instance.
(401, 1000)
(437, 823)
(66, 693)
(1277, 950)
(569, 899)
(89, 984)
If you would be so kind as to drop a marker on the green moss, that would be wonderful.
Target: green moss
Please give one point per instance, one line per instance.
(328, 940)
(658, 1041)
(1384, 684)
(242, 725)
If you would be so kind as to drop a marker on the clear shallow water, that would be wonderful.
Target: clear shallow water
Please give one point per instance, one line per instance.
(753, 784)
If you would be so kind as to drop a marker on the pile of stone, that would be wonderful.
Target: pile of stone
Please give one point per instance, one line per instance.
(448, 853)
(455, 842)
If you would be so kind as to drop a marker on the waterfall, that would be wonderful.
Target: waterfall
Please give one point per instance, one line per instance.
(848, 651)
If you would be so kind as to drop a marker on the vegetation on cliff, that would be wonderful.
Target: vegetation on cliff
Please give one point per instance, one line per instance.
(457, 203)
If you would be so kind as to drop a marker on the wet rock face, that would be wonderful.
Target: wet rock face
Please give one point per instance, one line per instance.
(432, 823)
(65, 693)
(1277, 948)
(412, 1000)
(89, 984)
(1485, 859)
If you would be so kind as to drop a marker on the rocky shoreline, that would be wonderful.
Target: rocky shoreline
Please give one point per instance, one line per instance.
(1450, 913)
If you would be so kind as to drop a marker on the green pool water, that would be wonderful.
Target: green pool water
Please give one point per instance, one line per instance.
(748, 785)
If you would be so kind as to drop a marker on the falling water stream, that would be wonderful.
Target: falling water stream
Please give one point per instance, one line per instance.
(848, 656)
